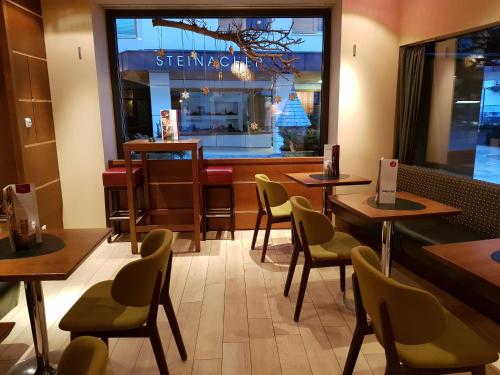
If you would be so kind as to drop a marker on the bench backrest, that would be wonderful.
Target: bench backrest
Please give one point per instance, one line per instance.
(478, 200)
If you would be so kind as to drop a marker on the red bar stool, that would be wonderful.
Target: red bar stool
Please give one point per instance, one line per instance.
(217, 178)
(114, 180)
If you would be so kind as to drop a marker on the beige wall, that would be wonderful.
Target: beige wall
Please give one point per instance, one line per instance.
(75, 94)
(426, 19)
(367, 84)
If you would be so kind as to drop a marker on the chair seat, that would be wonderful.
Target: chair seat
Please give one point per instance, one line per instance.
(459, 346)
(117, 176)
(339, 247)
(217, 175)
(96, 310)
(283, 210)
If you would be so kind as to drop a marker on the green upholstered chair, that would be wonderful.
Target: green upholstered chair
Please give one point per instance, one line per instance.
(273, 202)
(321, 244)
(128, 305)
(84, 356)
(419, 336)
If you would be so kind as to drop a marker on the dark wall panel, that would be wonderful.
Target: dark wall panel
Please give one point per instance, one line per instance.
(41, 164)
(25, 31)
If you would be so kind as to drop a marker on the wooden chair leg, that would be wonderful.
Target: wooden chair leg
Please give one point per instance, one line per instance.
(479, 370)
(154, 337)
(174, 326)
(256, 230)
(105, 340)
(342, 278)
(291, 270)
(302, 291)
(107, 210)
(204, 211)
(266, 239)
(352, 356)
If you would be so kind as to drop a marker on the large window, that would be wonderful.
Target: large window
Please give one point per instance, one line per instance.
(221, 95)
(462, 80)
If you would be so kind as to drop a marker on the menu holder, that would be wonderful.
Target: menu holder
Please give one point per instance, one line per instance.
(21, 210)
(169, 125)
(387, 181)
(331, 161)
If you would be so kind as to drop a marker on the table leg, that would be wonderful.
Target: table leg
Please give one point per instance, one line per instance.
(386, 247)
(325, 200)
(36, 310)
(195, 158)
(131, 203)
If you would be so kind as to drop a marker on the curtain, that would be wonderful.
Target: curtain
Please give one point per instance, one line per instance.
(410, 76)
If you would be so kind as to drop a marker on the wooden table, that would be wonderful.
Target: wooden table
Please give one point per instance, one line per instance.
(473, 257)
(316, 179)
(414, 207)
(59, 265)
(195, 146)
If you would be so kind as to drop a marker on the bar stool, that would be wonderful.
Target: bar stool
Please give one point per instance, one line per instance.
(215, 177)
(114, 180)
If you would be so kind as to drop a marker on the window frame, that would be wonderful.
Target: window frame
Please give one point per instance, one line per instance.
(113, 14)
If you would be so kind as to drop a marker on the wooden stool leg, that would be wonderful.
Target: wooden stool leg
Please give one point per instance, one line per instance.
(204, 211)
(107, 212)
(233, 224)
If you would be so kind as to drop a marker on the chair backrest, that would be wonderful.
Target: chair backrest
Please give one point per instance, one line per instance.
(416, 316)
(134, 284)
(84, 356)
(317, 228)
(276, 193)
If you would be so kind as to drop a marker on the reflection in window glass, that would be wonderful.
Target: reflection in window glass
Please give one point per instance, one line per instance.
(238, 110)
(464, 116)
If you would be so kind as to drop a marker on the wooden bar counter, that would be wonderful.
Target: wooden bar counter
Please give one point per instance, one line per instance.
(143, 147)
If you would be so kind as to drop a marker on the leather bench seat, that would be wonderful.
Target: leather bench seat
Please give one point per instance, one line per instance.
(436, 231)
(117, 176)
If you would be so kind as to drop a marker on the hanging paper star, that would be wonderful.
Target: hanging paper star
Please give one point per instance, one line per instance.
(231, 50)
(193, 54)
(292, 96)
(277, 99)
(205, 90)
(254, 126)
(161, 52)
(220, 76)
(216, 64)
(185, 95)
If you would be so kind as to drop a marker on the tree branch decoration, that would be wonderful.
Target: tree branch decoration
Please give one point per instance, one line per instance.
(270, 49)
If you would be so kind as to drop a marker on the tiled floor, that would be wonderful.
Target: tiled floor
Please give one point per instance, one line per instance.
(232, 313)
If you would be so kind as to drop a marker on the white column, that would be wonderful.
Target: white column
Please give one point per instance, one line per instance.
(159, 88)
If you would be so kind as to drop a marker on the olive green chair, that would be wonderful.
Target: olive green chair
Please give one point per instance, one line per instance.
(128, 305)
(273, 202)
(84, 356)
(419, 336)
(321, 244)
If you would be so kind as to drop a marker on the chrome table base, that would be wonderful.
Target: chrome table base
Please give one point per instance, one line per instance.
(36, 310)
(386, 247)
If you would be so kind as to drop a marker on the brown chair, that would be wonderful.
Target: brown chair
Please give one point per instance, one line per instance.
(273, 202)
(128, 305)
(419, 336)
(322, 246)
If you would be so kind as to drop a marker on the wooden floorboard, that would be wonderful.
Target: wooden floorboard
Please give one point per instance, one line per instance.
(232, 313)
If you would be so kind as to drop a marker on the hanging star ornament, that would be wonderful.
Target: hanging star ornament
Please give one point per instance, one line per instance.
(185, 95)
(160, 52)
(292, 96)
(216, 64)
(277, 99)
(205, 90)
(220, 76)
(231, 50)
(254, 126)
(193, 54)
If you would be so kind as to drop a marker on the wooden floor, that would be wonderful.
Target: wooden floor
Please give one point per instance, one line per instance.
(232, 313)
